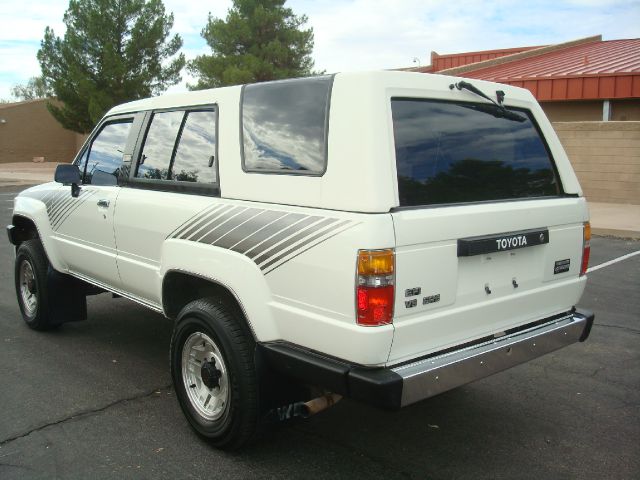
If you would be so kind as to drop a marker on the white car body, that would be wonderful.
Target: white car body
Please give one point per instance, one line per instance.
(299, 289)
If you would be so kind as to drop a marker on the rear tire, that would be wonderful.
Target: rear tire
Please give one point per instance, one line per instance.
(31, 267)
(214, 374)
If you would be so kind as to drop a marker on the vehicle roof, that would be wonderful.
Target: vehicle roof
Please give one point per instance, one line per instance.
(169, 100)
(383, 79)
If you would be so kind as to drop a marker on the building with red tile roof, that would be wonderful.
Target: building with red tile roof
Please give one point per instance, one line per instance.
(581, 80)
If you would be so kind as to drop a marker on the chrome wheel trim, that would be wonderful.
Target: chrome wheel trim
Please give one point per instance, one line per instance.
(210, 403)
(28, 290)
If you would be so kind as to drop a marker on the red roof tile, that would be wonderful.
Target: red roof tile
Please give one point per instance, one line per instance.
(589, 71)
(452, 60)
(613, 57)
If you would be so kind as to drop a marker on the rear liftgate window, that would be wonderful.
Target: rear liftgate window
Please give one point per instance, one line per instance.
(450, 152)
(284, 126)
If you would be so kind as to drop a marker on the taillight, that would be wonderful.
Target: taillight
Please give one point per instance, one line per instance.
(586, 248)
(374, 288)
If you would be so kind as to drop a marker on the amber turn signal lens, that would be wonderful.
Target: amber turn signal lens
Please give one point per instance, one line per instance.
(375, 262)
(587, 231)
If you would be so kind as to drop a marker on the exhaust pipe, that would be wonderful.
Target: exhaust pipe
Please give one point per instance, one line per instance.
(304, 409)
(319, 404)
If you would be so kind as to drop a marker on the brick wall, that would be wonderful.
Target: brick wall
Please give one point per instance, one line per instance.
(606, 158)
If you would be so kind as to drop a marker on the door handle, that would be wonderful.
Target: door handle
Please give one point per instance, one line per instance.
(103, 203)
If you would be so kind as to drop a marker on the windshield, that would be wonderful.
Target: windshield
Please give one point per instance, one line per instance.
(454, 152)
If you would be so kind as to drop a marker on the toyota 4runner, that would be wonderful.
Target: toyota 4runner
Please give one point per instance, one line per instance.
(382, 236)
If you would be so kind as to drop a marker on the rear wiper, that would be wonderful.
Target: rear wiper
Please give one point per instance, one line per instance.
(494, 111)
(504, 113)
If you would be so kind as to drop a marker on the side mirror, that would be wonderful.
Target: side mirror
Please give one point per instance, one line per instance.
(68, 174)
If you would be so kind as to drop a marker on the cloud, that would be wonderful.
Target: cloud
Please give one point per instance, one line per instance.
(26, 21)
(359, 34)
(380, 34)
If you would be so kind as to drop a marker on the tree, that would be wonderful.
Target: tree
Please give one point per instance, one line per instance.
(113, 51)
(260, 40)
(35, 88)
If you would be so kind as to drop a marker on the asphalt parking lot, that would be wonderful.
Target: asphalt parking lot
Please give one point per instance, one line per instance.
(94, 400)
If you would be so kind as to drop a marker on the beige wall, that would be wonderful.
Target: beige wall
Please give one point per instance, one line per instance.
(29, 131)
(592, 110)
(625, 110)
(606, 158)
(573, 111)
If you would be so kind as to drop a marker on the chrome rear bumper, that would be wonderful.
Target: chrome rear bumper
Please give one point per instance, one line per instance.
(398, 386)
(434, 375)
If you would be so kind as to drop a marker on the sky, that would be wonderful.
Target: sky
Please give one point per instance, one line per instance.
(354, 34)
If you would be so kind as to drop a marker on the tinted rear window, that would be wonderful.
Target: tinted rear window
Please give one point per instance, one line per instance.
(450, 152)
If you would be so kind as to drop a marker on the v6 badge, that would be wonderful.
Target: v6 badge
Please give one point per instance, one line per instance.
(561, 266)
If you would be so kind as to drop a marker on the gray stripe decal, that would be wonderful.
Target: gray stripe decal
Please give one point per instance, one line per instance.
(302, 244)
(196, 227)
(44, 197)
(66, 200)
(50, 200)
(61, 201)
(282, 235)
(184, 225)
(291, 238)
(59, 198)
(269, 218)
(213, 231)
(62, 206)
(54, 202)
(229, 225)
(309, 247)
(251, 241)
(54, 218)
(73, 209)
(243, 230)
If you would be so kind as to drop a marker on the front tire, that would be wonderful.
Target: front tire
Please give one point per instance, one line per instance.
(31, 267)
(213, 372)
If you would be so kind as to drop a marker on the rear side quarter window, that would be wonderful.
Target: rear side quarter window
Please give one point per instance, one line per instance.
(284, 126)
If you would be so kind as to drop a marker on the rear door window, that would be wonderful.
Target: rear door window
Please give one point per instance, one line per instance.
(454, 152)
(179, 149)
(159, 145)
(195, 155)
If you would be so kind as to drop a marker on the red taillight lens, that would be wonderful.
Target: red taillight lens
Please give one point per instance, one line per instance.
(586, 248)
(375, 305)
(374, 288)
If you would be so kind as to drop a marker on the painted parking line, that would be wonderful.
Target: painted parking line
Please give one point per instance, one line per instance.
(611, 262)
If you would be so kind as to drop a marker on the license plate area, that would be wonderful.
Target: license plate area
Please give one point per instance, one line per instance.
(502, 242)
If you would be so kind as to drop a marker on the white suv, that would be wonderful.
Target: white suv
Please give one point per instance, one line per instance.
(384, 236)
